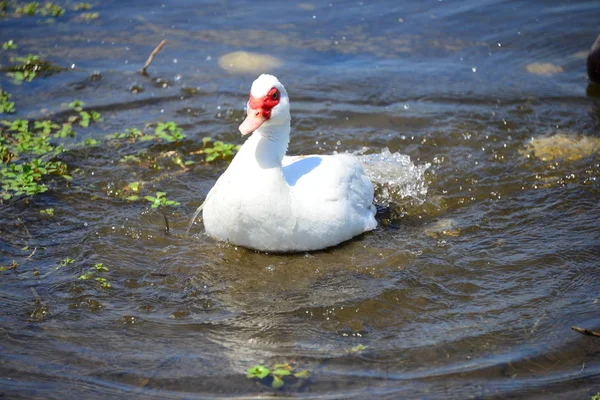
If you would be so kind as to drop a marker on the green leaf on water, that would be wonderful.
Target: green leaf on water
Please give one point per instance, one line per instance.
(281, 372)
(100, 267)
(358, 348)
(86, 276)
(258, 371)
(302, 374)
(277, 382)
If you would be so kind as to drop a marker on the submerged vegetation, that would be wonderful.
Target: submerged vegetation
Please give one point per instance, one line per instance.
(218, 151)
(6, 106)
(276, 376)
(46, 9)
(93, 274)
(160, 200)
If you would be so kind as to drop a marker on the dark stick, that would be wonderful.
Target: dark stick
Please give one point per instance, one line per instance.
(584, 331)
(154, 53)
(167, 229)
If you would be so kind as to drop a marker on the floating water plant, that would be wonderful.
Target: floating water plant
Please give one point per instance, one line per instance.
(358, 348)
(218, 150)
(27, 9)
(161, 200)
(66, 261)
(276, 374)
(82, 6)
(6, 106)
(47, 211)
(9, 45)
(28, 151)
(89, 16)
(33, 8)
(13, 266)
(93, 274)
(25, 69)
(169, 132)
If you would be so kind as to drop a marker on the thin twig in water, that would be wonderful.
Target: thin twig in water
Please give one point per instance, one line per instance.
(24, 227)
(38, 299)
(154, 53)
(167, 229)
(32, 253)
(584, 331)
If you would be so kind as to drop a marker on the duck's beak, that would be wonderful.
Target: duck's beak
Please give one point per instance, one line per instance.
(253, 120)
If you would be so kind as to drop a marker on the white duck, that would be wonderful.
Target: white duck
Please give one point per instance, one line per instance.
(270, 202)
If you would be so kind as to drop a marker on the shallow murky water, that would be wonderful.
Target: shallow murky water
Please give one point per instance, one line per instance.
(468, 288)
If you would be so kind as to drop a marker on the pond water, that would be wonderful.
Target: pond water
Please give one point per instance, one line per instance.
(482, 133)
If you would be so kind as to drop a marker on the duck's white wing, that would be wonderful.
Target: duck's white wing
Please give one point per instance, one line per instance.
(331, 186)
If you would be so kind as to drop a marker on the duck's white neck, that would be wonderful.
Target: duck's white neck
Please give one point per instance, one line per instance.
(269, 145)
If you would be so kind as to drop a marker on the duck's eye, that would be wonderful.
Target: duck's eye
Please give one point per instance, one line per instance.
(275, 95)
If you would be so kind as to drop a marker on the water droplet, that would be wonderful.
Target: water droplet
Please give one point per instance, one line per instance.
(474, 69)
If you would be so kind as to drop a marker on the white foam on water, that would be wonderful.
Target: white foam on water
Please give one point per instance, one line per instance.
(395, 177)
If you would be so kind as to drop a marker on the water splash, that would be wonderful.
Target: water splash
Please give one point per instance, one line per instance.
(395, 176)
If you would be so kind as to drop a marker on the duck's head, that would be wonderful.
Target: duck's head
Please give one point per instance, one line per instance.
(268, 106)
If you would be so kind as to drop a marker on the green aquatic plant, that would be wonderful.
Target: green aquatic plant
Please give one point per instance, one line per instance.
(33, 8)
(76, 105)
(47, 211)
(28, 151)
(9, 45)
(358, 348)
(82, 6)
(218, 151)
(596, 396)
(161, 200)
(99, 267)
(93, 272)
(89, 16)
(6, 106)
(103, 282)
(25, 69)
(28, 9)
(51, 9)
(276, 374)
(13, 266)
(85, 118)
(133, 188)
(22, 76)
(66, 261)
(169, 132)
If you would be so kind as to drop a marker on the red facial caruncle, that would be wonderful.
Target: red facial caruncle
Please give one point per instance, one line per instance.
(259, 111)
